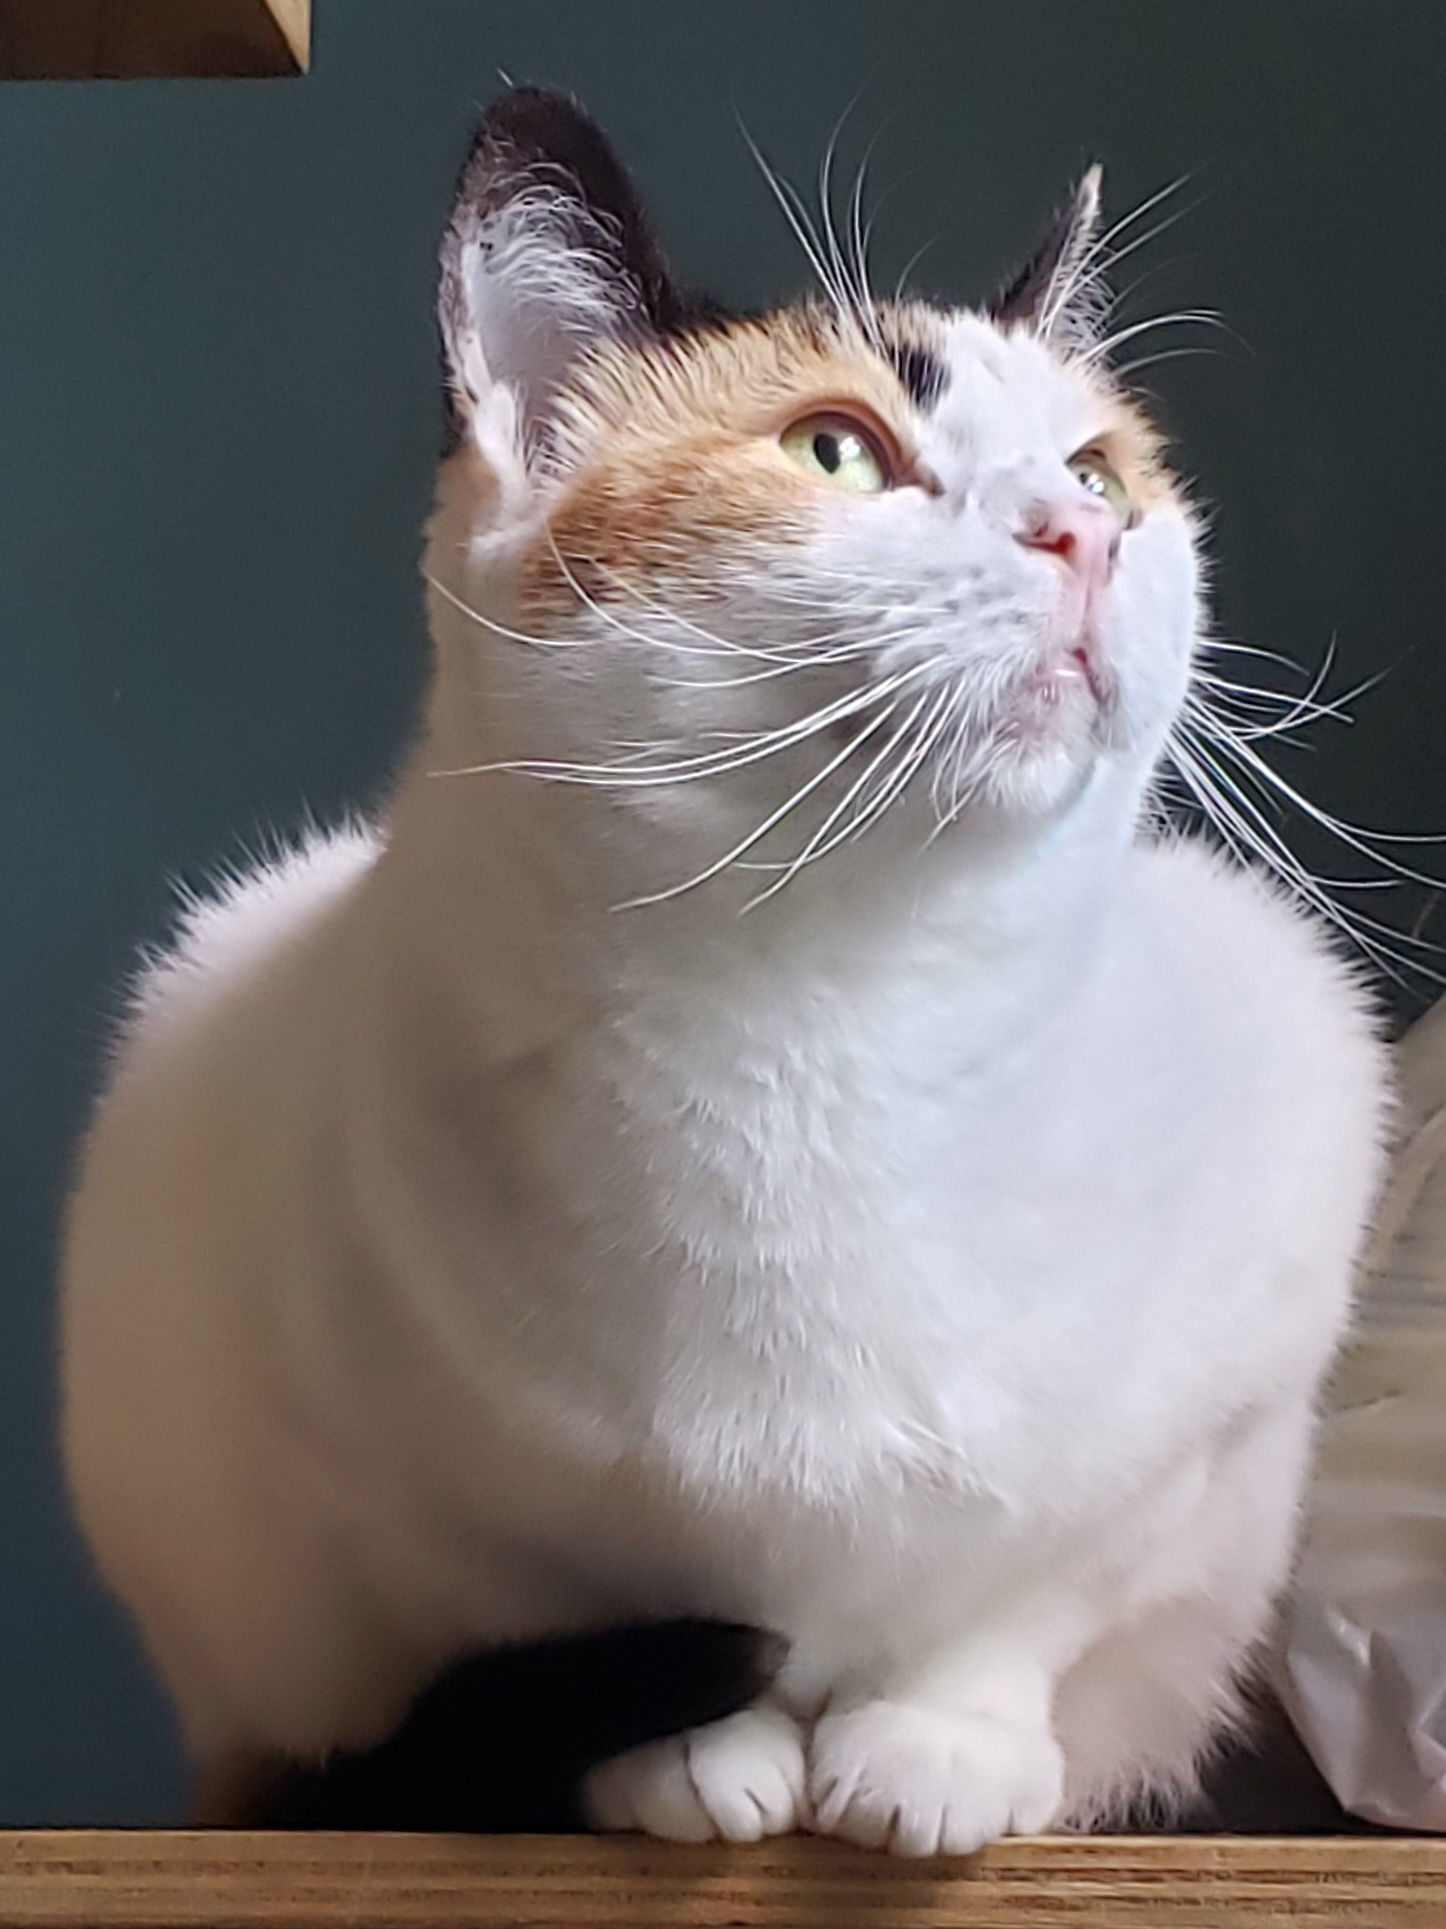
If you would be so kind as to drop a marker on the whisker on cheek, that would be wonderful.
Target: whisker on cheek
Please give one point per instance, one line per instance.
(755, 748)
(821, 843)
(775, 817)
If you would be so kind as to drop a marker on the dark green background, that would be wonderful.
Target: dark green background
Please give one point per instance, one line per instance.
(217, 422)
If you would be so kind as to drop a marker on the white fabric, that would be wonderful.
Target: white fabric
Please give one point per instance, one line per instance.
(1363, 1664)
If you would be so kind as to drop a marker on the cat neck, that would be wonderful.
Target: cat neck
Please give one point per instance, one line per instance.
(498, 895)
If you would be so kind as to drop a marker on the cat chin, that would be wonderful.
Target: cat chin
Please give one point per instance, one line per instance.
(1041, 790)
(1027, 775)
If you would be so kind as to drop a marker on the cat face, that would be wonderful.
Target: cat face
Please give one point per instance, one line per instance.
(848, 574)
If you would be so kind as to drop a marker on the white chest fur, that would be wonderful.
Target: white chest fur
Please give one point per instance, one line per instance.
(768, 1289)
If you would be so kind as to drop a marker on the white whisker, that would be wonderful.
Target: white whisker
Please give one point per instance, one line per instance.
(820, 844)
(774, 818)
(710, 764)
(1263, 845)
(797, 217)
(1203, 317)
(1126, 371)
(716, 644)
(1215, 764)
(897, 781)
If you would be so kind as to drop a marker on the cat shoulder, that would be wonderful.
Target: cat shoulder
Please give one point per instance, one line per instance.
(1270, 967)
(245, 916)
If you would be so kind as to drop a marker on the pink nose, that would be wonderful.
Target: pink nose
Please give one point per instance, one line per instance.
(1082, 533)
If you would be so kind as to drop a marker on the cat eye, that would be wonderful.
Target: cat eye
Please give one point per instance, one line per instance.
(839, 450)
(1090, 468)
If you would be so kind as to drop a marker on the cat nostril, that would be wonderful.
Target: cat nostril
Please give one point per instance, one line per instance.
(1060, 542)
(1085, 541)
(1050, 533)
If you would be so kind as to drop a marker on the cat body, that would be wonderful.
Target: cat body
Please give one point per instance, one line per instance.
(933, 1259)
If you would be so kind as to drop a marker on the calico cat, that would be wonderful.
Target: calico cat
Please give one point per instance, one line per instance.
(765, 1128)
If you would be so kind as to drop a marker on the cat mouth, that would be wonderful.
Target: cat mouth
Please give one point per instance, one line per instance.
(1083, 662)
(1069, 696)
(1068, 682)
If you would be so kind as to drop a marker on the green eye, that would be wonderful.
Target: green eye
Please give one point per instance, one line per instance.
(1090, 468)
(838, 451)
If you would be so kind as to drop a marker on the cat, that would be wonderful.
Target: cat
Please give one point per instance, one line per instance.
(765, 1128)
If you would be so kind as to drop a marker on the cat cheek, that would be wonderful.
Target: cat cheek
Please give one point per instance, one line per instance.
(1152, 628)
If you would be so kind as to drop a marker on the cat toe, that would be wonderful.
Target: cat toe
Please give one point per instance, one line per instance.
(922, 1781)
(649, 1791)
(736, 1780)
(750, 1773)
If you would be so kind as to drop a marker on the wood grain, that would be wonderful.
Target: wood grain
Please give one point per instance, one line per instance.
(294, 19)
(121, 1879)
(135, 39)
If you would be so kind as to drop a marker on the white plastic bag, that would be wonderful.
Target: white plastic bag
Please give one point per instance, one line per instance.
(1362, 1662)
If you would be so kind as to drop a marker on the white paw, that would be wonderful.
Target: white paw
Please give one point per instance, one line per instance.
(921, 1781)
(737, 1780)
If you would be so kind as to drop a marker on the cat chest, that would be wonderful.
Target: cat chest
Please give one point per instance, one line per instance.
(820, 1282)
(900, 1365)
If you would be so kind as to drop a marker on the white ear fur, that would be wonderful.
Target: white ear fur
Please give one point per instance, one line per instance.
(548, 251)
(525, 294)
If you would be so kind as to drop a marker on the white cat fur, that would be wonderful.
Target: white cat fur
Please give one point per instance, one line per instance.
(937, 1264)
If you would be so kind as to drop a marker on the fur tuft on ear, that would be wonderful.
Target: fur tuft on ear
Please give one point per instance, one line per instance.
(1060, 291)
(547, 252)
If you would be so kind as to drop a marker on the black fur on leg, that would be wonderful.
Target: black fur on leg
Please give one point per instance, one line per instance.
(500, 1742)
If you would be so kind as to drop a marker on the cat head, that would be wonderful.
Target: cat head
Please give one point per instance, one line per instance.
(850, 576)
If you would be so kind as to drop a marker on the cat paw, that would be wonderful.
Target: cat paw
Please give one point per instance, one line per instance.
(735, 1780)
(920, 1781)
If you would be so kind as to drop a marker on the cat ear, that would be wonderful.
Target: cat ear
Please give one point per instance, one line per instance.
(1060, 292)
(548, 251)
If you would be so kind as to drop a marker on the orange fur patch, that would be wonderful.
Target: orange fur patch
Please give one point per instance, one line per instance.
(676, 447)
(1136, 450)
(679, 449)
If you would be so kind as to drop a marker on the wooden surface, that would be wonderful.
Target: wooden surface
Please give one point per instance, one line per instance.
(294, 19)
(134, 39)
(119, 1879)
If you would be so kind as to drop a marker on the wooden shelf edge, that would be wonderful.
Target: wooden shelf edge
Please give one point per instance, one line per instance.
(145, 1879)
(154, 39)
(293, 17)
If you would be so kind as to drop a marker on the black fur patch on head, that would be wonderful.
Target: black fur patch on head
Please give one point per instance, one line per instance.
(920, 371)
(501, 1741)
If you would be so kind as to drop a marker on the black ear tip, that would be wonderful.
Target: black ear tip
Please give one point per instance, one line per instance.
(531, 132)
(539, 152)
(527, 114)
(542, 123)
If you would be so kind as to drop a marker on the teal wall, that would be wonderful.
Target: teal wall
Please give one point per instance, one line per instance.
(217, 419)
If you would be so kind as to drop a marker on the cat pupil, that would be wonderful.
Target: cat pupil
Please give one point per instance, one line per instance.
(826, 448)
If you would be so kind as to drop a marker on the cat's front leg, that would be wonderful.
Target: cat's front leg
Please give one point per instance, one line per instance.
(941, 1759)
(735, 1780)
